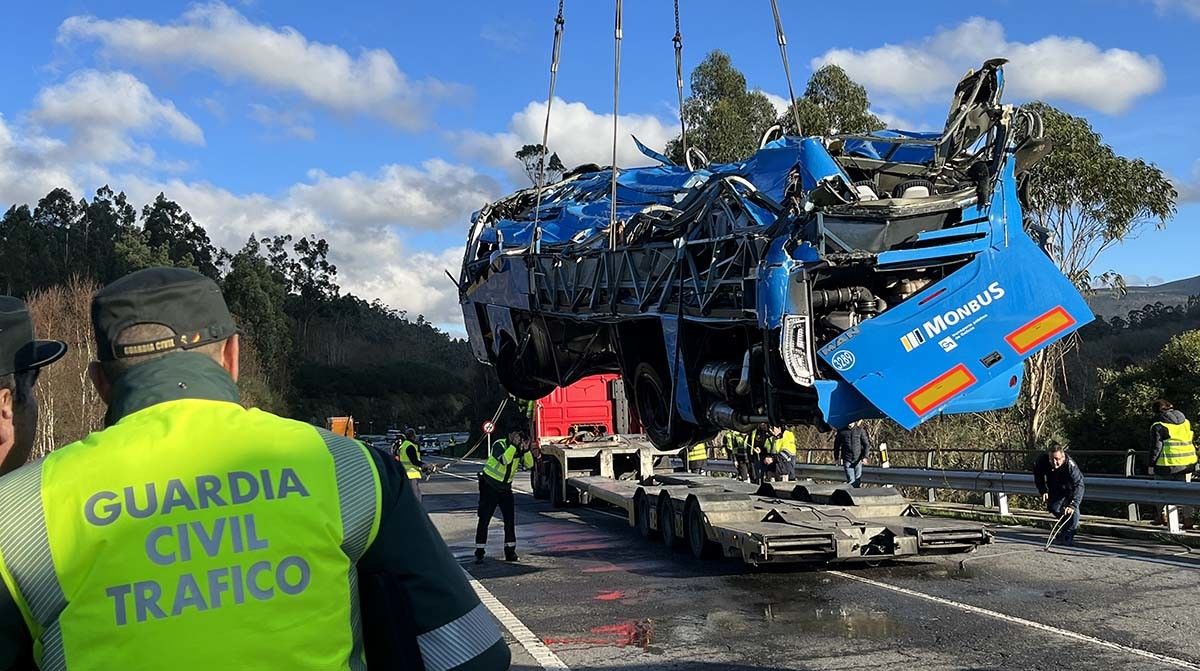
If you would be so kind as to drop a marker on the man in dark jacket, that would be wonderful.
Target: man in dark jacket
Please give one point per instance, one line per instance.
(851, 446)
(1060, 482)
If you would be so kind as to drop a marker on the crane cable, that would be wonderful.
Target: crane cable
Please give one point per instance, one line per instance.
(556, 50)
(678, 42)
(612, 212)
(787, 70)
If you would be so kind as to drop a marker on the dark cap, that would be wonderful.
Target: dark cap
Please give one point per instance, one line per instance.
(184, 301)
(18, 350)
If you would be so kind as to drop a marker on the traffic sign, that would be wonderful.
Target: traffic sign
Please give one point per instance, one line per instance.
(489, 426)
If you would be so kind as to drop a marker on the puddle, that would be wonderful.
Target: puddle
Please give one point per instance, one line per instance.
(844, 621)
(624, 567)
(623, 634)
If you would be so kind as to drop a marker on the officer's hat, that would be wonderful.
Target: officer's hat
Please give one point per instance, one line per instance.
(183, 300)
(19, 351)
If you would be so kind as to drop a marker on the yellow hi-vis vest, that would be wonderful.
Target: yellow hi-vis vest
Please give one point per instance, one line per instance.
(192, 534)
(1178, 449)
(413, 471)
(502, 463)
(786, 442)
(699, 452)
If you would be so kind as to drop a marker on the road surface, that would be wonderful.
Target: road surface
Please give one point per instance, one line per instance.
(589, 593)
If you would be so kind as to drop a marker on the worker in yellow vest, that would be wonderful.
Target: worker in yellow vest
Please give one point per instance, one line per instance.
(1172, 451)
(736, 447)
(407, 452)
(193, 533)
(505, 457)
(783, 446)
(697, 457)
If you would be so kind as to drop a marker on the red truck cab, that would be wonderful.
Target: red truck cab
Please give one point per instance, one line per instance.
(595, 404)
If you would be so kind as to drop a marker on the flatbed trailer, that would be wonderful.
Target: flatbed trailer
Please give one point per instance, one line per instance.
(775, 522)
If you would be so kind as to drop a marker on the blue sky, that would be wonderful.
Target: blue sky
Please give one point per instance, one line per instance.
(382, 125)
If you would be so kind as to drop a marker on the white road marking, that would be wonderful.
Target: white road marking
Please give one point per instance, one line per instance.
(1109, 552)
(1173, 661)
(530, 642)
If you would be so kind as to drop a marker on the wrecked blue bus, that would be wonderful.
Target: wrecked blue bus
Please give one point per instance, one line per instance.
(820, 281)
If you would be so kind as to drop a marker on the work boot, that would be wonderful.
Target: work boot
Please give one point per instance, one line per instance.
(478, 555)
(510, 554)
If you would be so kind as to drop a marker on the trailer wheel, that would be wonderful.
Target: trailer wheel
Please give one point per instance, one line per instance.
(698, 542)
(641, 513)
(666, 521)
(554, 475)
(537, 481)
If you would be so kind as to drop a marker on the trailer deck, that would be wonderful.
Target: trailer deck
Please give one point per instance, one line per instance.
(778, 522)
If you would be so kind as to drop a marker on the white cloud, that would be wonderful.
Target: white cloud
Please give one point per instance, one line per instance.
(373, 259)
(1188, 7)
(430, 197)
(217, 37)
(781, 104)
(26, 170)
(1053, 68)
(290, 123)
(365, 219)
(898, 122)
(100, 110)
(577, 134)
(1189, 188)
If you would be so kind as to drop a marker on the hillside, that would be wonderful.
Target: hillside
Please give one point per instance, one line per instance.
(1107, 304)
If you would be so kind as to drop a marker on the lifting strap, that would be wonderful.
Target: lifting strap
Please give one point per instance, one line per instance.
(787, 70)
(678, 42)
(541, 181)
(612, 213)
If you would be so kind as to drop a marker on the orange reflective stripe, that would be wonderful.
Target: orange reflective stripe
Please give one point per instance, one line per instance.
(940, 389)
(1041, 329)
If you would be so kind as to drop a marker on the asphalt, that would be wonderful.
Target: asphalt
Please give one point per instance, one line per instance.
(597, 596)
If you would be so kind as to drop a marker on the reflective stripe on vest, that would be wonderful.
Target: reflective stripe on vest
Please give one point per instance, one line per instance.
(495, 468)
(1178, 449)
(119, 560)
(414, 473)
(27, 565)
(699, 452)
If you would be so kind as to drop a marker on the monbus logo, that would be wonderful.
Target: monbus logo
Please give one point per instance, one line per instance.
(943, 321)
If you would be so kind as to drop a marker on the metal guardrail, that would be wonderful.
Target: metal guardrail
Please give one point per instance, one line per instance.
(1132, 491)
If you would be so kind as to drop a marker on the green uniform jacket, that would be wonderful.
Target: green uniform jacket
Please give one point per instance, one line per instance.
(411, 589)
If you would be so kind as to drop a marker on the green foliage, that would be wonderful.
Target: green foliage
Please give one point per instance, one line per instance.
(724, 120)
(1090, 197)
(256, 293)
(832, 103)
(132, 251)
(530, 156)
(308, 350)
(1118, 416)
(167, 225)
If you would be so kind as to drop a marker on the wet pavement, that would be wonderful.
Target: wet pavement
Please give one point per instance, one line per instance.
(601, 597)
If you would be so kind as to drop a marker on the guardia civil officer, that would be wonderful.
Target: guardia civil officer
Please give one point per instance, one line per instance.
(495, 489)
(192, 533)
(21, 360)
